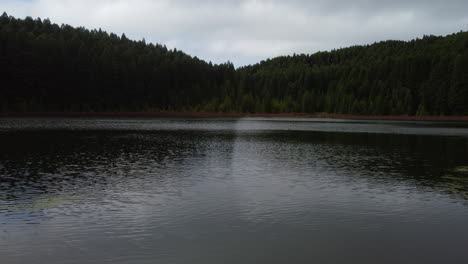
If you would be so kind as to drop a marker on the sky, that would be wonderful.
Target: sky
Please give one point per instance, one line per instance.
(248, 31)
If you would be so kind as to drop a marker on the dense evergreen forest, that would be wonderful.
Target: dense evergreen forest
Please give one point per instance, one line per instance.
(47, 67)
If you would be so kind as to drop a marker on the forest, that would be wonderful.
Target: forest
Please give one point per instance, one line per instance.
(45, 67)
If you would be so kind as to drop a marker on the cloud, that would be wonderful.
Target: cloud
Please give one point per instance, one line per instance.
(250, 30)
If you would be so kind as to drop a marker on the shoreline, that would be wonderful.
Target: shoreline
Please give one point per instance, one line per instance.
(233, 115)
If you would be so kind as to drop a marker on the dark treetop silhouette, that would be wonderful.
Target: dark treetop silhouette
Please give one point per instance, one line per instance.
(45, 67)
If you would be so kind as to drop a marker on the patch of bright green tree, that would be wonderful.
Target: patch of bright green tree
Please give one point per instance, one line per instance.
(47, 67)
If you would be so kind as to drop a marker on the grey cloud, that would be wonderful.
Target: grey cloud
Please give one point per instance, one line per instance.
(441, 7)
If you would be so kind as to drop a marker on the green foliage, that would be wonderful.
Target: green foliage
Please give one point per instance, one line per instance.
(427, 76)
(47, 67)
(458, 93)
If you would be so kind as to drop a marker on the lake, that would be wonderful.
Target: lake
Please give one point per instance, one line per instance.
(247, 190)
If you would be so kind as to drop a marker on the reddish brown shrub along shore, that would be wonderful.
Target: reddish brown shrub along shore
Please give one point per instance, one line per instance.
(230, 115)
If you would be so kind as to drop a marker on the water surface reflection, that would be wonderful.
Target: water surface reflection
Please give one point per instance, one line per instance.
(230, 191)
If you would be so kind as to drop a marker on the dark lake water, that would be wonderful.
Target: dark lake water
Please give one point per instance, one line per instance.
(232, 191)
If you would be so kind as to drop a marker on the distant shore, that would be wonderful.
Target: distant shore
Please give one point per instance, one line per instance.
(232, 115)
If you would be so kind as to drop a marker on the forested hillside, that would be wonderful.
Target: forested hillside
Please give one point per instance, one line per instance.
(47, 67)
(427, 76)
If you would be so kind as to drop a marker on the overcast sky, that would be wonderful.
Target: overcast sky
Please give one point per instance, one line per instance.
(247, 31)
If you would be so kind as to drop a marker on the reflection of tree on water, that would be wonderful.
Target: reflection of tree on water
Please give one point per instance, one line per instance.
(385, 160)
(456, 181)
(42, 163)
(42, 203)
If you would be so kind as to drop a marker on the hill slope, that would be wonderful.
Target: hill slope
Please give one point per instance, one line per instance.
(46, 67)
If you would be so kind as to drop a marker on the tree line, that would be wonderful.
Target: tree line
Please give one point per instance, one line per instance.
(50, 67)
